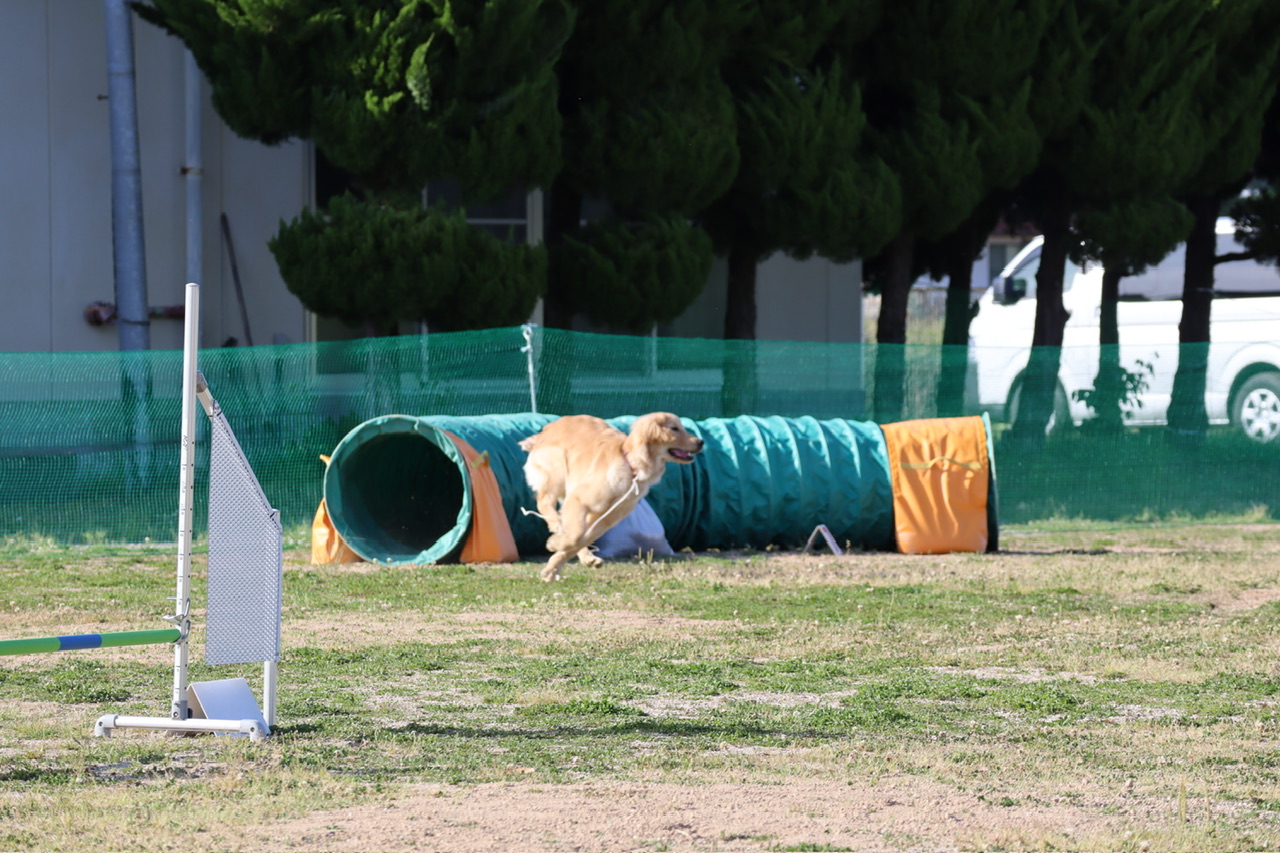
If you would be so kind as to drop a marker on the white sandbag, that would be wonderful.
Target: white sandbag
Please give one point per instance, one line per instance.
(640, 533)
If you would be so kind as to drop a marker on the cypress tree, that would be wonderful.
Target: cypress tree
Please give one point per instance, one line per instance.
(1125, 238)
(947, 93)
(396, 93)
(648, 129)
(807, 183)
(1230, 107)
(379, 265)
(633, 274)
(1132, 138)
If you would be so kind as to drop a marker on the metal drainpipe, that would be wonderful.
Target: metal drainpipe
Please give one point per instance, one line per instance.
(126, 182)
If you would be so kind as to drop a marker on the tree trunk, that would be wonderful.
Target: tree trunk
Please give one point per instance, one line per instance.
(1039, 383)
(1107, 397)
(564, 216)
(738, 393)
(740, 302)
(1188, 422)
(891, 330)
(955, 335)
(556, 360)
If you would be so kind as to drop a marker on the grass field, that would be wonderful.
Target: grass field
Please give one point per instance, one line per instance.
(1105, 688)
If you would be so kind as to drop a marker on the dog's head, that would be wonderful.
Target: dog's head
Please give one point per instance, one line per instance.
(664, 436)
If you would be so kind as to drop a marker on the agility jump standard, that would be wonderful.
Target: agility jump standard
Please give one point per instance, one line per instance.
(244, 581)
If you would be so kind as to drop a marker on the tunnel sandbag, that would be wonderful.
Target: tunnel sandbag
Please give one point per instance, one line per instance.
(943, 474)
(395, 482)
(488, 539)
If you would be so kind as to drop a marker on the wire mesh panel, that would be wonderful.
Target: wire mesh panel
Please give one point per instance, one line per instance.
(245, 557)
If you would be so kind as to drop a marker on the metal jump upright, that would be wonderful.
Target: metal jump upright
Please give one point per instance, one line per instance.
(244, 574)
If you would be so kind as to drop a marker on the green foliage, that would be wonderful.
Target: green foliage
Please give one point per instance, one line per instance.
(1258, 224)
(936, 160)
(1138, 138)
(672, 150)
(808, 126)
(1008, 140)
(1230, 104)
(808, 182)
(635, 275)
(1131, 234)
(633, 48)
(1128, 387)
(796, 33)
(254, 55)
(947, 89)
(381, 264)
(397, 92)
(649, 121)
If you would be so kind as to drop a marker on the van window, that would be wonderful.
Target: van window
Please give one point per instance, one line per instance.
(1233, 278)
(1246, 278)
(1022, 281)
(1160, 282)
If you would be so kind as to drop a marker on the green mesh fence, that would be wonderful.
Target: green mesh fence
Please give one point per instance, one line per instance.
(89, 448)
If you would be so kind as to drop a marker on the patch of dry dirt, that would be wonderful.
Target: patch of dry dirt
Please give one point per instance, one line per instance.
(892, 814)
(1245, 599)
(614, 626)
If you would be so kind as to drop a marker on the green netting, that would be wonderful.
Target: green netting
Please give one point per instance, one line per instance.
(89, 442)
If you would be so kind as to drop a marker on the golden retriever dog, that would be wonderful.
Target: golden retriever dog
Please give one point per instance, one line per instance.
(588, 476)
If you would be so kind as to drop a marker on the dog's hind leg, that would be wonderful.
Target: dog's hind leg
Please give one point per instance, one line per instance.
(551, 571)
(570, 539)
(572, 528)
(549, 509)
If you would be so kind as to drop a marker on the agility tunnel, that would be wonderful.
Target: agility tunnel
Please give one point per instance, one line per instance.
(400, 490)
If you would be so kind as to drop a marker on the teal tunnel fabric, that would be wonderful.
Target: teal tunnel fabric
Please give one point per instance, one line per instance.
(398, 492)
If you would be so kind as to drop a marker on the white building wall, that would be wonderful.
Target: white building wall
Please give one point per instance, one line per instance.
(55, 205)
(55, 190)
(25, 151)
(811, 300)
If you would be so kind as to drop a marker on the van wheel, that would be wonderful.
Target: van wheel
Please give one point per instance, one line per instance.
(1059, 418)
(1256, 409)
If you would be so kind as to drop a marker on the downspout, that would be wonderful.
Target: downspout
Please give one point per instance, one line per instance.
(126, 182)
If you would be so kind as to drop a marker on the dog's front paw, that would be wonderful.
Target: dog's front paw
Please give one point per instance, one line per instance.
(549, 574)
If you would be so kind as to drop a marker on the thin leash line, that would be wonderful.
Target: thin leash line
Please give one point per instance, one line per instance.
(635, 488)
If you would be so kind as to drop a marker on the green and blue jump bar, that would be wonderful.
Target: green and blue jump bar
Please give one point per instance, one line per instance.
(73, 642)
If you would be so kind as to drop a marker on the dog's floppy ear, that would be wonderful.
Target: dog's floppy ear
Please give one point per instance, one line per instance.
(529, 443)
(652, 429)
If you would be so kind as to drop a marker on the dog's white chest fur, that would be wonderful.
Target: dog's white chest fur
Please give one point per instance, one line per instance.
(621, 479)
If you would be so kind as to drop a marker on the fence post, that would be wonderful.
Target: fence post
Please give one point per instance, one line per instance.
(527, 330)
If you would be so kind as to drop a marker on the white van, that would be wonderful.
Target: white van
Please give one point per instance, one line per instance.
(1243, 380)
